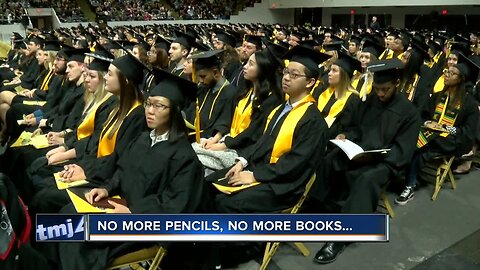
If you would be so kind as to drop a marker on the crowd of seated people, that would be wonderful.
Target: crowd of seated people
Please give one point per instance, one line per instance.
(12, 11)
(156, 114)
(132, 10)
(67, 11)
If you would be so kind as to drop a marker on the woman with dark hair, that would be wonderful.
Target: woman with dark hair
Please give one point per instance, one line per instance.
(455, 50)
(451, 118)
(261, 95)
(158, 58)
(158, 173)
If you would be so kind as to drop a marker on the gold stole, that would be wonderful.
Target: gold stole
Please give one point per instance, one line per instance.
(435, 60)
(412, 88)
(87, 126)
(387, 54)
(47, 79)
(242, 115)
(107, 145)
(336, 108)
(284, 140)
(439, 85)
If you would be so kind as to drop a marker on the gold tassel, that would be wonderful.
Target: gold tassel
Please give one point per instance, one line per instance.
(197, 122)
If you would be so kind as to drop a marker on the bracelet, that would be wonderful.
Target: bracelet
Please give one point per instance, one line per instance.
(64, 146)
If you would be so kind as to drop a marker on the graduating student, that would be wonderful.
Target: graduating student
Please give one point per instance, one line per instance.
(178, 52)
(456, 112)
(386, 120)
(284, 157)
(124, 123)
(215, 97)
(455, 50)
(250, 45)
(230, 58)
(158, 173)
(397, 44)
(261, 96)
(362, 81)
(339, 102)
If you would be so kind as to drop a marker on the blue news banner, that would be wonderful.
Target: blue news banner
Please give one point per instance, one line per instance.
(210, 227)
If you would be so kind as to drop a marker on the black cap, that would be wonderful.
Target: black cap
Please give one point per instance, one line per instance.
(460, 48)
(421, 48)
(276, 52)
(348, 64)
(36, 39)
(356, 39)
(311, 44)
(173, 87)
(207, 59)
(130, 67)
(226, 38)
(435, 46)
(51, 45)
(77, 55)
(404, 38)
(311, 59)
(125, 44)
(333, 46)
(162, 43)
(468, 68)
(183, 39)
(19, 44)
(372, 47)
(385, 70)
(102, 59)
(256, 40)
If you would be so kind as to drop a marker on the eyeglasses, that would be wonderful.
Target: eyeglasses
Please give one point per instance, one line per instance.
(156, 106)
(292, 75)
(450, 73)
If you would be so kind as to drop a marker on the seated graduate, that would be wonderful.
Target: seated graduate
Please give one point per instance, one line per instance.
(158, 173)
(34, 113)
(84, 140)
(124, 123)
(362, 81)
(215, 97)
(387, 120)
(260, 97)
(338, 103)
(452, 59)
(284, 157)
(452, 110)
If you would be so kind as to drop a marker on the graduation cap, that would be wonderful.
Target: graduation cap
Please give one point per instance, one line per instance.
(421, 48)
(77, 55)
(125, 44)
(130, 66)
(202, 47)
(102, 58)
(385, 70)
(276, 51)
(207, 59)
(460, 38)
(256, 40)
(468, 68)
(311, 59)
(460, 48)
(372, 47)
(19, 44)
(226, 38)
(311, 44)
(183, 39)
(162, 43)
(348, 64)
(175, 88)
(405, 39)
(51, 45)
(36, 39)
(299, 34)
(435, 46)
(333, 46)
(16, 36)
(356, 39)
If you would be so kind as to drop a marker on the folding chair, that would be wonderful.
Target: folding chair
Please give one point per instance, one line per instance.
(153, 256)
(386, 202)
(444, 170)
(271, 248)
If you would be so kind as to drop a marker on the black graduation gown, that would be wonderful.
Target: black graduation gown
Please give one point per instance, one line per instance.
(30, 74)
(466, 124)
(283, 182)
(163, 179)
(257, 124)
(222, 113)
(424, 87)
(344, 121)
(230, 70)
(394, 125)
(237, 80)
(50, 199)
